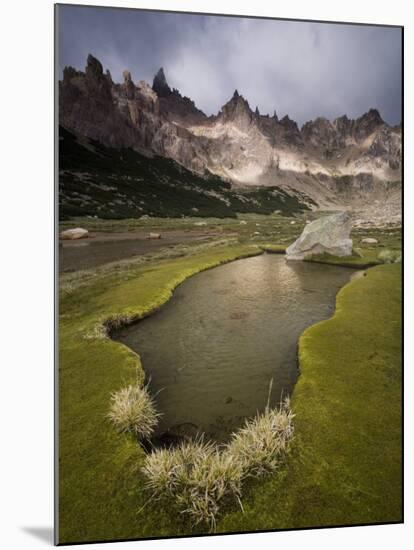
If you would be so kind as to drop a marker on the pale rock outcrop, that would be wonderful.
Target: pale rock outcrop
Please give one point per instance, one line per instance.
(326, 235)
(369, 240)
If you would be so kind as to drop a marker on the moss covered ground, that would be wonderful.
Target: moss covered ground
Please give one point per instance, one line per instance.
(344, 465)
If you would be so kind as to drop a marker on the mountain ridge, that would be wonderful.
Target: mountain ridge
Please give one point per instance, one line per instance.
(237, 144)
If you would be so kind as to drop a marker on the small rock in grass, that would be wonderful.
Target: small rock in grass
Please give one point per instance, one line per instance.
(154, 236)
(76, 233)
(369, 240)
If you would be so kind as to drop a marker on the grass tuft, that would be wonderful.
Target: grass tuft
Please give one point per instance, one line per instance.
(132, 410)
(390, 256)
(199, 475)
(259, 445)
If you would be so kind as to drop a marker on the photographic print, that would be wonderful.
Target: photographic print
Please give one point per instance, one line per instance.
(229, 265)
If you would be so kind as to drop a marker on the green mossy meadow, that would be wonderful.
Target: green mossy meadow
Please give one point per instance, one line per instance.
(344, 464)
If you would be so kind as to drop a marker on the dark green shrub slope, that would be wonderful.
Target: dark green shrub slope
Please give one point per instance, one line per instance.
(109, 183)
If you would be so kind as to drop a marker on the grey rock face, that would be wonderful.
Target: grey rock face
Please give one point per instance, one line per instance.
(327, 235)
(321, 132)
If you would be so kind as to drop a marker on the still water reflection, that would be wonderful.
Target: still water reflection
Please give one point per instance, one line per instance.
(215, 346)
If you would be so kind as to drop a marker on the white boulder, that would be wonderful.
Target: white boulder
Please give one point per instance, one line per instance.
(369, 240)
(326, 235)
(76, 233)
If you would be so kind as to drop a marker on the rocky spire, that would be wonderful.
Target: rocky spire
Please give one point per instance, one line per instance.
(129, 85)
(96, 82)
(256, 112)
(93, 67)
(160, 85)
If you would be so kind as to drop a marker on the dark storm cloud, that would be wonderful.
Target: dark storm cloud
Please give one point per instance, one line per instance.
(297, 68)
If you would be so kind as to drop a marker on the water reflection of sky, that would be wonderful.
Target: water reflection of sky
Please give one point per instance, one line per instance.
(215, 346)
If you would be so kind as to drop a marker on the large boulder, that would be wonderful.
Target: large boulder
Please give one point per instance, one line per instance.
(327, 235)
(76, 233)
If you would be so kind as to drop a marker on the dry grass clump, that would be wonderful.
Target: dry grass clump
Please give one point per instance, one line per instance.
(390, 256)
(259, 445)
(198, 475)
(132, 410)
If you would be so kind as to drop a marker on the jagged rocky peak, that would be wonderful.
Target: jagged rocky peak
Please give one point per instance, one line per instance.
(236, 110)
(367, 123)
(96, 81)
(175, 107)
(289, 124)
(93, 68)
(291, 133)
(160, 85)
(373, 116)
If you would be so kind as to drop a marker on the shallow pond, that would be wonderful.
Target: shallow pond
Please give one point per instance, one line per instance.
(213, 349)
(92, 253)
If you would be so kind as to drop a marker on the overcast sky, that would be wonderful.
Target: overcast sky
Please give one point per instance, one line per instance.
(297, 68)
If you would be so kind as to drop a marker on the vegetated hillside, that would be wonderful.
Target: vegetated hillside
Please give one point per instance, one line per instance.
(95, 180)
